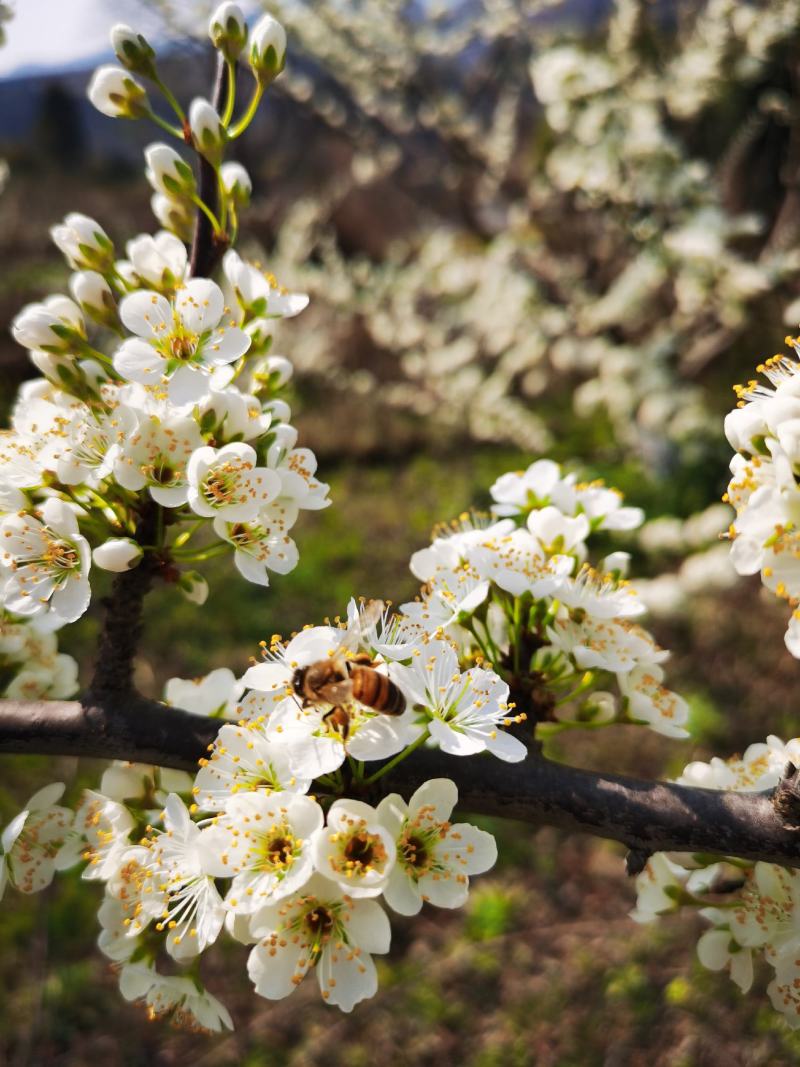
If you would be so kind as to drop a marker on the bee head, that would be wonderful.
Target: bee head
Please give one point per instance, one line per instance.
(298, 679)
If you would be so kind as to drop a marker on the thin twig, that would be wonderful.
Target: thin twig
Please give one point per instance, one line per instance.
(208, 247)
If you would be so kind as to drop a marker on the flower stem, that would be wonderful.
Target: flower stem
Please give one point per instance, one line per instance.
(247, 117)
(170, 98)
(227, 114)
(209, 214)
(398, 758)
(170, 129)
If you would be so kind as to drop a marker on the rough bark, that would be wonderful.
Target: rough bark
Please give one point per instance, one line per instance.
(645, 816)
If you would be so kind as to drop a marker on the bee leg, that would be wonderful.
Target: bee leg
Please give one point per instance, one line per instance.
(340, 721)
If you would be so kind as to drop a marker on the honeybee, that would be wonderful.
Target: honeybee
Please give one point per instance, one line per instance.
(346, 677)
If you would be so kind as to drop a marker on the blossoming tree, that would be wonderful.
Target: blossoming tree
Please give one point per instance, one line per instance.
(296, 808)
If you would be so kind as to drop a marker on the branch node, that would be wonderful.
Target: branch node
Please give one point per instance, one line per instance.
(786, 798)
(636, 861)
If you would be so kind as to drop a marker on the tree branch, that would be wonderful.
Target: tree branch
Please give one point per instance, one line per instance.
(208, 247)
(122, 627)
(645, 816)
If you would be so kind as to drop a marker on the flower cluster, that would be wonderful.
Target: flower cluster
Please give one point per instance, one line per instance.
(750, 906)
(519, 589)
(158, 432)
(158, 436)
(273, 840)
(764, 430)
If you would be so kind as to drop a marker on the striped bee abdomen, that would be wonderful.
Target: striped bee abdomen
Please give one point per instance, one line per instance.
(375, 690)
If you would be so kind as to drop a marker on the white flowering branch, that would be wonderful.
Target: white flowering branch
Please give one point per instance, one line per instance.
(326, 777)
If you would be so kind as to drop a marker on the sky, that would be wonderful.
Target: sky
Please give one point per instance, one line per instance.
(45, 35)
(51, 34)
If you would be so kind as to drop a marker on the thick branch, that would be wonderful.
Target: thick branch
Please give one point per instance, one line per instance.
(122, 626)
(207, 247)
(645, 816)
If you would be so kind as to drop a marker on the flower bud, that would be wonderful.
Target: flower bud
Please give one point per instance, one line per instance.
(278, 410)
(267, 50)
(94, 295)
(113, 91)
(84, 243)
(236, 183)
(117, 554)
(54, 326)
(209, 136)
(158, 262)
(124, 781)
(194, 587)
(174, 215)
(616, 563)
(167, 172)
(133, 51)
(260, 331)
(272, 372)
(228, 30)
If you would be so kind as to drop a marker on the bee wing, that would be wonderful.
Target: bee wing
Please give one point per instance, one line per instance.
(358, 629)
(339, 692)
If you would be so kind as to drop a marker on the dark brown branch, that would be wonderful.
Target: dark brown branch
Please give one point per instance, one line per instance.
(119, 638)
(208, 247)
(645, 816)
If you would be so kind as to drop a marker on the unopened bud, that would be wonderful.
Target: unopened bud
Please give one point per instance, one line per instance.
(117, 555)
(133, 51)
(272, 372)
(267, 49)
(167, 172)
(228, 30)
(56, 326)
(194, 587)
(236, 183)
(94, 295)
(117, 94)
(84, 243)
(209, 136)
(174, 215)
(616, 563)
(260, 331)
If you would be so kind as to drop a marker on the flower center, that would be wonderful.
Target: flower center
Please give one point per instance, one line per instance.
(359, 851)
(415, 852)
(319, 922)
(161, 472)
(61, 555)
(182, 346)
(280, 851)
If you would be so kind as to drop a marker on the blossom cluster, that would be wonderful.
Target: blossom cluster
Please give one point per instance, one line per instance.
(753, 908)
(303, 870)
(158, 430)
(159, 436)
(520, 588)
(273, 840)
(763, 429)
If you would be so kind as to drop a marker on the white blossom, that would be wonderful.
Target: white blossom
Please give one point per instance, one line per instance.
(227, 482)
(323, 928)
(265, 843)
(243, 760)
(354, 850)
(50, 562)
(466, 711)
(32, 840)
(182, 342)
(434, 856)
